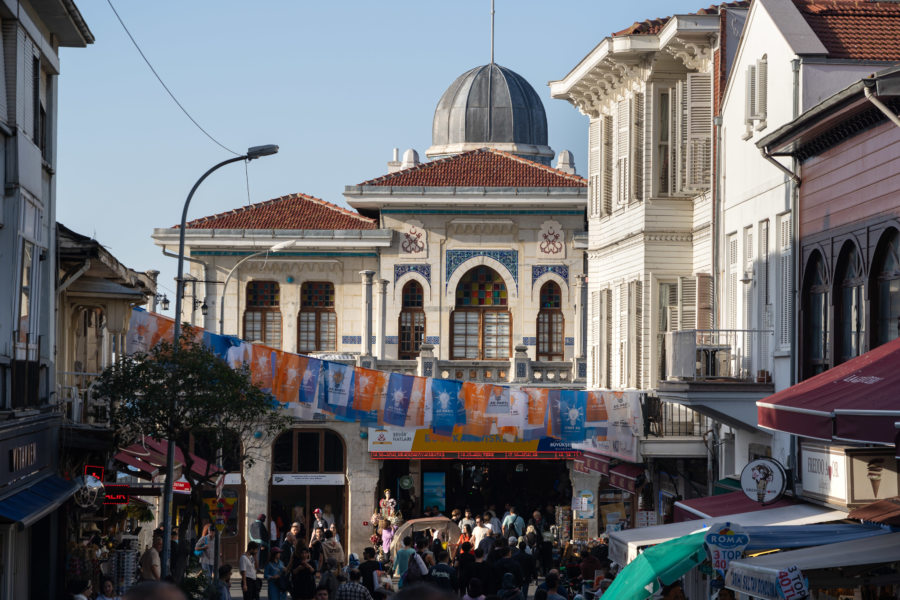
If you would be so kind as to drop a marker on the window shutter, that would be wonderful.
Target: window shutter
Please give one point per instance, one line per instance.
(762, 82)
(28, 92)
(688, 302)
(732, 281)
(787, 292)
(607, 166)
(596, 322)
(705, 291)
(763, 277)
(699, 91)
(681, 142)
(635, 344)
(606, 341)
(594, 166)
(674, 311)
(622, 337)
(750, 95)
(623, 123)
(637, 135)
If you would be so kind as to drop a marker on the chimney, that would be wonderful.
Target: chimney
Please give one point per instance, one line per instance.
(410, 159)
(394, 164)
(566, 162)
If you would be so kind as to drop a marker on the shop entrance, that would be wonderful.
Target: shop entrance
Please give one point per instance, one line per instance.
(308, 472)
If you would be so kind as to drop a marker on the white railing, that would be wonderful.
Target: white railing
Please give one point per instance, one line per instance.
(743, 355)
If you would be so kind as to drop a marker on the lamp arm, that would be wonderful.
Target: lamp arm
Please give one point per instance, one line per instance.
(225, 286)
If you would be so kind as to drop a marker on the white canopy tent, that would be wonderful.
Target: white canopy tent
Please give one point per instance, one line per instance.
(624, 545)
(759, 576)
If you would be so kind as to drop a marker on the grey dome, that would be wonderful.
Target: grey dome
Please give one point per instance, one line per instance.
(490, 106)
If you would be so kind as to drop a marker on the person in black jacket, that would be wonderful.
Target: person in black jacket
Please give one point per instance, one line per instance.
(442, 575)
(527, 564)
(481, 570)
(506, 564)
(368, 567)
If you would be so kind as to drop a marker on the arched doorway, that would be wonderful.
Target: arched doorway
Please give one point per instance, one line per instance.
(886, 289)
(850, 310)
(308, 472)
(481, 325)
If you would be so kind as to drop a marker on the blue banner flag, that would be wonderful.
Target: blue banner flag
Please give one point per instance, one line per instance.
(572, 406)
(399, 393)
(336, 389)
(447, 410)
(309, 379)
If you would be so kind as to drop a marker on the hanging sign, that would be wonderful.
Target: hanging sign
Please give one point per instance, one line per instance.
(792, 585)
(725, 542)
(763, 480)
(308, 479)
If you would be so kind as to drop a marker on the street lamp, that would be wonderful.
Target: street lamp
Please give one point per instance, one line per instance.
(252, 153)
(276, 248)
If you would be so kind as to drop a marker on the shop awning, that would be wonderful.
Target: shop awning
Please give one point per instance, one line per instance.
(596, 463)
(149, 458)
(37, 501)
(723, 504)
(759, 576)
(856, 401)
(624, 545)
(625, 476)
(885, 511)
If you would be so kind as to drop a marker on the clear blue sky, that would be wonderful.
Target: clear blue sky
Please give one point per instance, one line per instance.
(336, 84)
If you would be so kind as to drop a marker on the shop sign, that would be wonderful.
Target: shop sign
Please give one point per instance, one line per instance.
(583, 504)
(753, 583)
(596, 464)
(646, 518)
(308, 479)
(763, 480)
(792, 585)
(873, 475)
(182, 486)
(823, 471)
(393, 443)
(115, 493)
(725, 542)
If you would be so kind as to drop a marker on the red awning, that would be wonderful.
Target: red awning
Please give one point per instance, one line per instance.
(624, 476)
(596, 463)
(150, 458)
(857, 401)
(720, 506)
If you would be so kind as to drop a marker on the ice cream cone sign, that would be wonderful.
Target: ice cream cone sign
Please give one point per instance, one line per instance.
(763, 480)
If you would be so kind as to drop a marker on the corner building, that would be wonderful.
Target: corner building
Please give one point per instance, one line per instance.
(468, 267)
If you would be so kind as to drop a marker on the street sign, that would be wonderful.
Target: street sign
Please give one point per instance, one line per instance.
(182, 486)
(725, 542)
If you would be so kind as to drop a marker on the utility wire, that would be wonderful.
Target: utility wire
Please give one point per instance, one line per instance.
(165, 87)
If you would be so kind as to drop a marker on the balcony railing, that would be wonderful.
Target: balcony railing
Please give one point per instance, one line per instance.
(487, 371)
(75, 392)
(551, 372)
(741, 355)
(667, 419)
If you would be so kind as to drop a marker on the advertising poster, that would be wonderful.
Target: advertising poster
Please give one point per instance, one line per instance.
(369, 390)
(475, 397)
(498, 400)
(287, 378)
(262, 367)
(336, 390)
(434, 489)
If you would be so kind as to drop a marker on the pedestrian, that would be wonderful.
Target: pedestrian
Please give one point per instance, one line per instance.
(464, 561)
(205, 549)
(247, 567)
(474, 590)
(333, 529)
(480, 531)
(303, 575)
(154, 590)
(328, 516)
(442, 575)
(507, 565)
(331, 548)
(387, 536)
(222, 588)
(401, 560)
(319, 521)
(368, 567)
(315, 547)
(259, 533)
(330, 578)
(353, 589)
(464, 536)
(423, 551)
(496, 526)
(81, 589)
(276, 575)
(467, 520)
(552, 582)
(150, 564)
(513, 524)
(416, 569)
(481, 570)
(107, 590)
(322, 593)
(508, 589)
(527, 564)
(673, 591)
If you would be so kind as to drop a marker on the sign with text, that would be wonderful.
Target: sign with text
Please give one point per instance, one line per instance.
(388, 442)
(792, 585)
(763, 480)
(308, 479)
(823, 471)
(725, 542)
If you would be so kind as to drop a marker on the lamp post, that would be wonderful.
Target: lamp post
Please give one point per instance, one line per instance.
(276, 248)
(252, 153)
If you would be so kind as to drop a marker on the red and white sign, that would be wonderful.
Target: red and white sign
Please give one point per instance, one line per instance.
(182, 486)
(792, 584)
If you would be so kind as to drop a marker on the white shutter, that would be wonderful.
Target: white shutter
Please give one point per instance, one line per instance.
(763, 275)
(637, 343)
(699, 91)
(606, 338)
(732, 282)
(680, 105)
(637, 142)
(705, 293)
(623, 124)
(607, 166)
(622, 337)
(761, 96)
(787, 292)
(750, 94)
(673, 309)
(596, 321)
(594, 167)
(687, 292)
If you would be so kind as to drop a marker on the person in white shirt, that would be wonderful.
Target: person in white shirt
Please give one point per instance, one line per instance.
(494, 522)
(248, 572)
(479, 532)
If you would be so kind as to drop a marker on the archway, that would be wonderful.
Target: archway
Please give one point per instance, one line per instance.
(481, 324)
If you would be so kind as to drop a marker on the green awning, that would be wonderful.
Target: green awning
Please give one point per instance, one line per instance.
(664, 563)
(726, 485)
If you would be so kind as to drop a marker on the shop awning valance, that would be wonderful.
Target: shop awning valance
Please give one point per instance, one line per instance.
(149, 458)
(857, 401)
(885, 511)
(30, 505)
(723, 504)
(759, 576)
(625, 476)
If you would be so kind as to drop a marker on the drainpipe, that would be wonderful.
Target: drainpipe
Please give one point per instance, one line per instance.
(881, 106)
(795, 258)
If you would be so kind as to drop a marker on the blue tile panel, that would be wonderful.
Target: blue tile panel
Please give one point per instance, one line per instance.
(351, 339)
(520, 370)
(582, 369)
(391, 339)
(422, 269)
(538, 270)
(432, 339)
(529, 341)
(507, 258)
(570, 341)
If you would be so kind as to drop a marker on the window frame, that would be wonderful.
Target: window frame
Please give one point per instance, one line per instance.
(481, 310)
(544, 344)
(416, 315)
(813, 366)
(265, 313)
(855, 287)
(879, 278)
(295, 450)
(319, 313)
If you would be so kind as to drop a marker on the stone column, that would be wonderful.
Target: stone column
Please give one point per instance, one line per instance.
(211, 298)
(367, 312)
(582, 316)
(427, 363)
(521, 365)
(381, 329)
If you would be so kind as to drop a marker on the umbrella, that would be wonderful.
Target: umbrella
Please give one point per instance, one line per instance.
(665, 563)
(450, 529)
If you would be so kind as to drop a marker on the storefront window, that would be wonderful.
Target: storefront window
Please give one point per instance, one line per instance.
(852, 312)
(816, 308)
(886, 281)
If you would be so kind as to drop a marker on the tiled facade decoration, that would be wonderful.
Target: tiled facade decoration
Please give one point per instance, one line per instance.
(423, 270)
(539, 270)
(507, 258)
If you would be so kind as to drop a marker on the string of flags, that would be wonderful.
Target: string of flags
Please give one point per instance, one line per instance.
(306, 385)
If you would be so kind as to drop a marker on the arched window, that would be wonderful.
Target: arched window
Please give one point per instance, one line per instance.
(317, 323)
(886, 283)
(550, 323)
(412, 321)
(480, 324)
(850, 313)
(308, 451)
(262, 319)
(815, 323)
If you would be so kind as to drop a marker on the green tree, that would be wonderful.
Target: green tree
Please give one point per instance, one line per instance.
(173, 395)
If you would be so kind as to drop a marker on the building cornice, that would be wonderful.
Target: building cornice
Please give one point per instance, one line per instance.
(261, 239)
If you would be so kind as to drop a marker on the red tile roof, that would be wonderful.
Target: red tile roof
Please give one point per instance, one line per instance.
(294, 211)
(654, 26)
(855, 29)
(485, 167)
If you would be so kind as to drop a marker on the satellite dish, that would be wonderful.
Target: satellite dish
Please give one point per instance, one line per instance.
(406, 482)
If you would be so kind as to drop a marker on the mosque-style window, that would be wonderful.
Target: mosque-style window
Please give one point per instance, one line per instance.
(850, 295)
(481, 326)
(317, 322)
(262, 318)
(886, 280)
(412, 321)
(550, 330)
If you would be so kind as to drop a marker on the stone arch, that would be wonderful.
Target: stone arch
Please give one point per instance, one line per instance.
(404, 279)
(551, 276)
(512, 287)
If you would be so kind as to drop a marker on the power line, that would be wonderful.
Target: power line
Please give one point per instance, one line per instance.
(165, 87)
